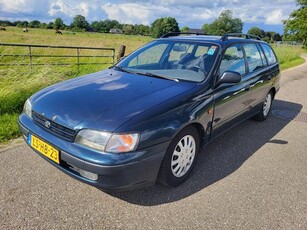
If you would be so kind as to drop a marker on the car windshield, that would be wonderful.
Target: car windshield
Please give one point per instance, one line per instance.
(172, 60)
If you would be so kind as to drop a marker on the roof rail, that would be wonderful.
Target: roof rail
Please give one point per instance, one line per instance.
(170, 34)
(247, 36)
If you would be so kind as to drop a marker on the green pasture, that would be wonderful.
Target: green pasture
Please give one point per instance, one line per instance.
(17, 83)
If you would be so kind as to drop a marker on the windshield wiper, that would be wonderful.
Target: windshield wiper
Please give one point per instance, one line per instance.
(159, 76)
(120, 68)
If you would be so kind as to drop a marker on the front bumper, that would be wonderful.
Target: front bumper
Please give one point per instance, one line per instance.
(115, 171)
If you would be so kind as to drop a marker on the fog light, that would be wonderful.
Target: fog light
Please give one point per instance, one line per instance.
(86, 174)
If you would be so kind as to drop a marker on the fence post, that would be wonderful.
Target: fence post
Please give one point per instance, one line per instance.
(30, 55)
(121, 52)
(78, 58)
(113, 56)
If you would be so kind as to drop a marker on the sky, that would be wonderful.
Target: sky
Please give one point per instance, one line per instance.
(266, 14)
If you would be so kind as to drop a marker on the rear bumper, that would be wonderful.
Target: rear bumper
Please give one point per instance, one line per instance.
(114, 171)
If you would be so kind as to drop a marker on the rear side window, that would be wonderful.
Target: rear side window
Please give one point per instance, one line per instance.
(271, 58)
(253, 57)
(233, 60)
(262, 55)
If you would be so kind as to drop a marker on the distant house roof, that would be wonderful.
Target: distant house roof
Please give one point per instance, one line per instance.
(116, 31)
(196, 31)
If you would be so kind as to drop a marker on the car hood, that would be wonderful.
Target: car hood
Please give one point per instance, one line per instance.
(104, 100)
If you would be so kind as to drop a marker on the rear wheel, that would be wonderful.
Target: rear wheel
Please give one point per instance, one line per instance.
(266, 108)
(180, 158)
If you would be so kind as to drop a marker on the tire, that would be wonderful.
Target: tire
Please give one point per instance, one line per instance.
(265, 108)
(180, 158)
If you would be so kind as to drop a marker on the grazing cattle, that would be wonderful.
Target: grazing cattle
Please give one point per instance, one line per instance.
(25, 30)
(2, 28)
(58, 32)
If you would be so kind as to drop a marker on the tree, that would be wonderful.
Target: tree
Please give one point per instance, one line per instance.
(79, 23)
(5, 23)
(268, 36)
(22, 24)
(255, 31)
(58, 24)
(96, 25)
(185, 29)
(277, 37)
(164, 25)
(266, 39)
(224, 24)
(50, 25)
(34, 24)
(142, 30)
(128, 29)
(106, 25)
(296, 27)
(43, 25)
(111, 24)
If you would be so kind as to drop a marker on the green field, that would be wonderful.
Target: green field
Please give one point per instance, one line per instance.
(17, 83)
(289, 56)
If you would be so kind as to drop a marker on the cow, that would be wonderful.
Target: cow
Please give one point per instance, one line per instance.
(2, 28)
(58, 32)
(25, 30)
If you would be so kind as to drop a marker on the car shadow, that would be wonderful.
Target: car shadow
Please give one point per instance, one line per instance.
(220, 158)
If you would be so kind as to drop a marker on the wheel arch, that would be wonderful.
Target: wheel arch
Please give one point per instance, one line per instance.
(273, 90)
(199, 128)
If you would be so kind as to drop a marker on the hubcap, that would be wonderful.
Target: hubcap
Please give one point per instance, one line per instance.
(267, 104)
(183, 156)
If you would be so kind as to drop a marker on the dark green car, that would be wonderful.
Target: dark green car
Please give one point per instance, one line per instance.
(147, 118)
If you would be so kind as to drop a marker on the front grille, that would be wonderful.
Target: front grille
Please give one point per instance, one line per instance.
(54, 128)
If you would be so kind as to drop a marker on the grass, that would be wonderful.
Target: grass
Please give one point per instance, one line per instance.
(18, 83)
(289, 56)
(8, 127)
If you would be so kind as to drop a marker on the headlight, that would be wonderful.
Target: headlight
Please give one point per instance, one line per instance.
(107, 142)
(93, 139)
(119, 143)
(27, 108)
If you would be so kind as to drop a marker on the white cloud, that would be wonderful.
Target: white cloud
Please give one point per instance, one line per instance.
(192, 13)
(130, 13)
(23, 6)
(275, 18)
(61, 7)
(195, 13)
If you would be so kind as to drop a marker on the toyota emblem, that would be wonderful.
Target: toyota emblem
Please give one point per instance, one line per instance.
(47, 124)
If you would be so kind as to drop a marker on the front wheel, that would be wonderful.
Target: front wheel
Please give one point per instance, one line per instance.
(180, 158)
(266, 108)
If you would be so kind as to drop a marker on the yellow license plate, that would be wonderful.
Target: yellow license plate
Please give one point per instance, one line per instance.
(45, 149)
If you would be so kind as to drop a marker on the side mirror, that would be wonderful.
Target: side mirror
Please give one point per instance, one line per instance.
(230, 77)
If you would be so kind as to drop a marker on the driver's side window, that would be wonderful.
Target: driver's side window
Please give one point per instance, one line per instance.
(233, 60)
